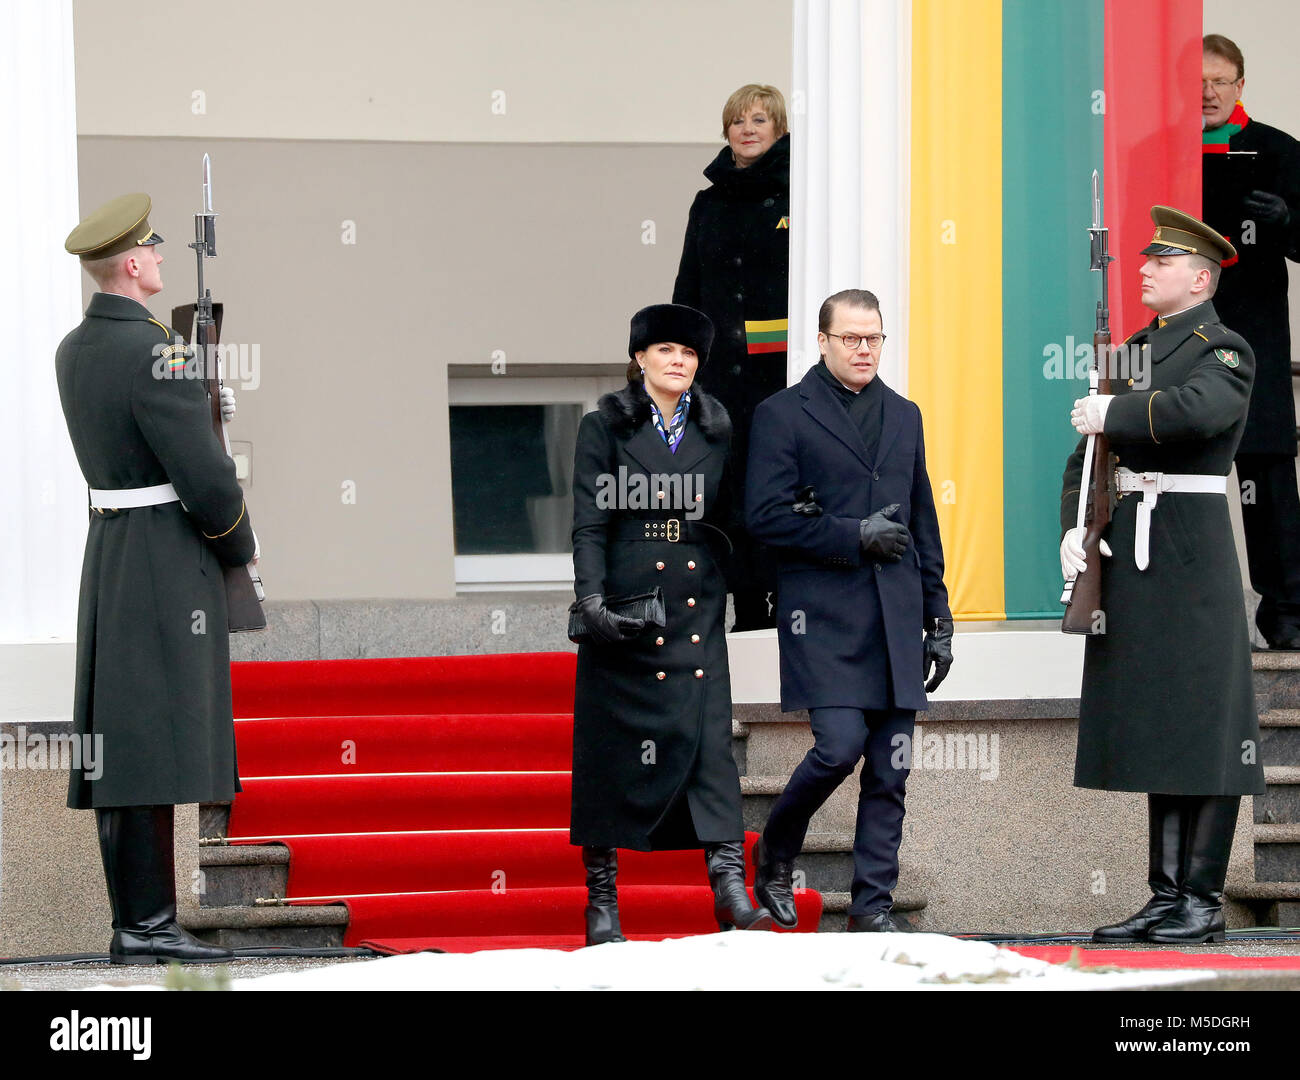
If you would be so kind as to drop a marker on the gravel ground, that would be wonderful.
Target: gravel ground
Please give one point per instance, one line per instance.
(76, 976)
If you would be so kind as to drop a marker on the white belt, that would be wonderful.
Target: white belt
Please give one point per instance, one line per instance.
(126, 498)
(1153, 485)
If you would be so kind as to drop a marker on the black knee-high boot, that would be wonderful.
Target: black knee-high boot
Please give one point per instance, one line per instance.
(1197, 917)
(731, 904)
(602, 895)
(137, 848)
(1167, 823)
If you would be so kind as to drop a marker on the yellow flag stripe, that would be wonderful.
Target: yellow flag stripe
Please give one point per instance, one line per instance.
(758, 326)
(955, 321)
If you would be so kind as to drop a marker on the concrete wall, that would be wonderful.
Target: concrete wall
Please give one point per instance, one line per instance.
(535, 231)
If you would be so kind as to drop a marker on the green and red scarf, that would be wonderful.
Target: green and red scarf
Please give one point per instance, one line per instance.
(1215, 140)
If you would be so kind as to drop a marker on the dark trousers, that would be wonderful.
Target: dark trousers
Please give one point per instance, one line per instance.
(841, 737)
(1272, 524)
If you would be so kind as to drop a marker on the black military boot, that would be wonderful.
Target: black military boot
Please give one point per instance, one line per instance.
(1197, 917)
(731, 904)
(774, 886)
(139, 867)
(602, 895)
(1167, 822)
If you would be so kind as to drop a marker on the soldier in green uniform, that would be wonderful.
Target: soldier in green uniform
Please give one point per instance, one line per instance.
(1167, 705)
(153, 663)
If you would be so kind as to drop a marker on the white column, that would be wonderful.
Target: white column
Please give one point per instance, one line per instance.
(849, 175)
(44, 495)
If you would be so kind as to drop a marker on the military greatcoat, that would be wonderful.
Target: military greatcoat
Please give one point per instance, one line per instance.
(1167, 703)
(652, 762)
(153, 660)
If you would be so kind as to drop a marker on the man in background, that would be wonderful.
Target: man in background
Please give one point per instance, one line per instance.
(1252, 196)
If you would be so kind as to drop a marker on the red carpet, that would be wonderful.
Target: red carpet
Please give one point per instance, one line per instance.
(1157, 958)
(432, 797)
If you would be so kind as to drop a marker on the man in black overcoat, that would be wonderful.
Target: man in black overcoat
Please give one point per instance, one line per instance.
(1252, 196)
(837, 485)
(153, 660)
(1167, 705)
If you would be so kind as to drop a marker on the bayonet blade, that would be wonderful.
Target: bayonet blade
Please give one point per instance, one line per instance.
(207, 184)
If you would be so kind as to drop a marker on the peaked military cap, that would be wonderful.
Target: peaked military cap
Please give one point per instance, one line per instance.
(1181, 234)
(670, 322)
(117, 226)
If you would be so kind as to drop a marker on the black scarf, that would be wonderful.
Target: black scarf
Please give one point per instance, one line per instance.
(865, 408)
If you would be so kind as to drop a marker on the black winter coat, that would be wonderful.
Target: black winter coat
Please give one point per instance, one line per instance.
(652, 763)
(1167, 703)
(735, 268)
(851, 629)
(1252, 296)
(153, 658)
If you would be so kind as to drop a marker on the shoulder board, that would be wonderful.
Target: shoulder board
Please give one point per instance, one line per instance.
(1213, 332)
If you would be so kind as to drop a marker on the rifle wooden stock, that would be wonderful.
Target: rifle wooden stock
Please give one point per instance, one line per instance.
(243, 608)
(1085, 597)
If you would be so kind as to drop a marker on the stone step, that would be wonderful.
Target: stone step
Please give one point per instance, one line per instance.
(1277, 852)
(213, 821)
(1274, 903)
(1280, 803)
(244, 926)
(242, 874)
(1277, 679)
(740, 745)
(1280, 718)
(1279, 737)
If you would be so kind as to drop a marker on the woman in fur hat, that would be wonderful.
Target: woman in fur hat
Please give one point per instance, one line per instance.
(652, 764)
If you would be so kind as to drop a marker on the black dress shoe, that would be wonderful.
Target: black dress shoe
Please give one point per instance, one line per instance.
(774, 886)
(1197, 918)
(731, 905)
(602, 895)
(1167, 824)
(883, 921)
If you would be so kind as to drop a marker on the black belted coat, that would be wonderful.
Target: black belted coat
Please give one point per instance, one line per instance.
(652, 763)
(1167, 703)
(153, 657)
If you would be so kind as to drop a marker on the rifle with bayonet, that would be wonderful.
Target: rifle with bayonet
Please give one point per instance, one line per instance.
(244, 593)
(1082, 596)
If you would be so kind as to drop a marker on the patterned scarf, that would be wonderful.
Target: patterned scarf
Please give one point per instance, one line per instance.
(677, 428)
(1215, 140)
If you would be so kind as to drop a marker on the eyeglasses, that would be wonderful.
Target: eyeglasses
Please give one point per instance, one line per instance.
(1218, 84)
(852, 341)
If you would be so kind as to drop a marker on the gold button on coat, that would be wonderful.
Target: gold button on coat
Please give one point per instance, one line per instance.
(659, 641)
(690, 601)
(690, 565)
(695, 639)
(660, 675)
(699, 673)
(659, 566)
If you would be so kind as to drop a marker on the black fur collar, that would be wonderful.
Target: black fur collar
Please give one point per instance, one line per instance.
(627, 409)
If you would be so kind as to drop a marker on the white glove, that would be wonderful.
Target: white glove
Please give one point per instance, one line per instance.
(1089, 414)
(227, 404)
(1072, 560)
(257, 547)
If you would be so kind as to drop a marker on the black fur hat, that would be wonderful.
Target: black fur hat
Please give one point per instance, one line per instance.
(671, 322)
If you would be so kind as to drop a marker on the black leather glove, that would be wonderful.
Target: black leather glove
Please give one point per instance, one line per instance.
(938, 652)
(805, 502)
(1269, 208)
(603, 623)
(881, 538)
